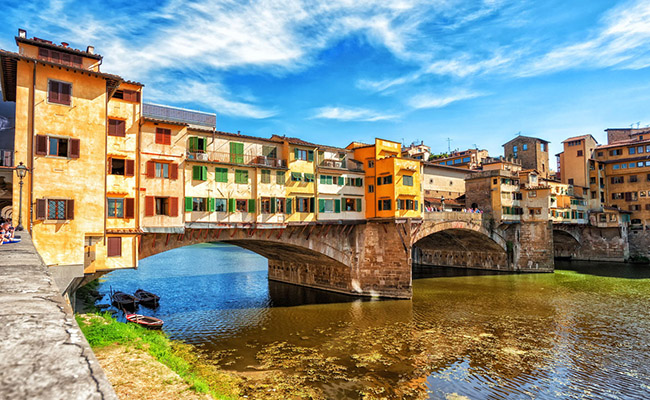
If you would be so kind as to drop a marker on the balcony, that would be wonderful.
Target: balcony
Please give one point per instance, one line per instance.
(353, 165)
(241, 159)
(190, 117)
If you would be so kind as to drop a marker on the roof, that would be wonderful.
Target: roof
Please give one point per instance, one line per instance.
(623, 143)
(48, 44)
(233, 135)
(164, 121)
(8, 67)
(578, 138)
(300, 142)
(433, 164)
(525, 137)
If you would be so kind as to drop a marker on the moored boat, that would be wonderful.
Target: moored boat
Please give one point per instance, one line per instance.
(146, 298)
(123, 300)
(145, 320)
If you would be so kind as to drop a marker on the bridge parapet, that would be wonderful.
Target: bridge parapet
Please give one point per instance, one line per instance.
(443, 216)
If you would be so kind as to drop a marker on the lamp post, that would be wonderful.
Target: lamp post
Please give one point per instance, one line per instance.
(21, 171)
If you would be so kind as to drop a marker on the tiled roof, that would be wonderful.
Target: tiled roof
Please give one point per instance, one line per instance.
(527, 137)
(578, 138)
(623, 143)
(50, 45)
(233, 135)
(300, 142)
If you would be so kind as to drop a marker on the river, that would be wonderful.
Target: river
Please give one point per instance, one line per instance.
(581, 332)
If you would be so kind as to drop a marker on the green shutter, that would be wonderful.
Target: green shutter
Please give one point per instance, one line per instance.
(231, 205)
(359, 182)
(251, 205)
(205, 143)
(287, 209)
(279, 178)
(296, 154)
(296, 176)
(221, 175)
(415, 207)
(236, 153)
(312, 204)
(245, 176)
(196, 172)
(321, 205)
(359, 206)
(211, 204)
(204, 173)
(273, 205)
(337, 205)
(193, 144)
(310, 155)
(341, 181)
(322, 179)
(188, 203)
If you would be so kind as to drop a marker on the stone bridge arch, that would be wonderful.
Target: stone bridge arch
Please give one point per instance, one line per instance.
(460, 243)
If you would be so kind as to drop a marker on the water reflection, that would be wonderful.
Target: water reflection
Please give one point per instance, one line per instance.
(484, 336)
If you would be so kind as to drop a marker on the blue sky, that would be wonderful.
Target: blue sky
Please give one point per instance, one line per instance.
(341, 70)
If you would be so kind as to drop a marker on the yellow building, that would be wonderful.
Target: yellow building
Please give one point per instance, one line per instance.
(393, 188)
(573, 162)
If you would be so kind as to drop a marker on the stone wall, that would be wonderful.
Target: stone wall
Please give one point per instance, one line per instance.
(639, 243)
(531, 246)
(591, 243)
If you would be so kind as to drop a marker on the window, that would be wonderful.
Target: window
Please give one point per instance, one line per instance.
(352, 204)
(635, 207)
(494, 181)
(616, 166)
(386, 180)
(616, 152)
(60, 57)
(617, 196)
(514, 149)
(326, 179)
(199, 173)
(633, 178)
(57, 146)
(279, 177)
(407, 180)
(543, 146)
(580, 153)
(296, 176)
(524, 147)
(617, 179)
(466, 159)
(304, 204)
(265, 205)
(199, 204)
(114, 246)
(571, 181)
(327, 205)
(162, 170)
(642, 193)
(406, 204)
(449, 162)
(592, 180)
(116, 127)
(220, 205)
(457, 161)
(127, 95)
(198, 144)
(162, 205)
(59, 93)
(632, 165)
(371, 188)
(163, 136)
(269, 151)
(640, 164)
(648, 178)
(593, 195)
(532, 193)
(236, 153)
(383, 205)
(266, 177)
(241, 176)
(639, 150)
(371, 163)
(117, 166)
(115, 208)
(600, 154)
(305, 155)
(631, 150)
(58, 209)
(308, 177)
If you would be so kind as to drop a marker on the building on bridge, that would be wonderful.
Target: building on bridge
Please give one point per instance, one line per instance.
(532, 152)
(469, 159)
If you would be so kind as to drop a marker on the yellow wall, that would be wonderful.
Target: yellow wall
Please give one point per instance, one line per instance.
(300, 189)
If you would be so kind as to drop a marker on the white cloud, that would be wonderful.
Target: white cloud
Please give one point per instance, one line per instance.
(351, 114)
(436, 101)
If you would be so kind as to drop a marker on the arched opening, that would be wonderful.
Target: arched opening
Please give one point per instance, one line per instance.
(565, 245)
(460, 248)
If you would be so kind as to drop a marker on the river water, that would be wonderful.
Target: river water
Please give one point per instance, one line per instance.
(581, 332)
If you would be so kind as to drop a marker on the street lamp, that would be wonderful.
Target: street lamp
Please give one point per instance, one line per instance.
(21, 171)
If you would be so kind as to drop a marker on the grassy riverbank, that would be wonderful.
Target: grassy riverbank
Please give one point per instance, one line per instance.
(111, 338)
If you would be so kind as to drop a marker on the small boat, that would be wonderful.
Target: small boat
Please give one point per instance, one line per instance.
(145, 320)
(124, 300)
(146, 298)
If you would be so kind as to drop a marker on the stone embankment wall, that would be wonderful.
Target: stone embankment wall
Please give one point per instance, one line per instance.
(43, 354)
(639, 243)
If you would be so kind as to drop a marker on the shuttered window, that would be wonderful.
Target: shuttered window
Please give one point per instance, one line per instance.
(266, 176)
(163, 136)
(59, 57)
(59, 92)
(236, 153)
(114, 246)
(127, 95)
(279, 177)
(221, 175)
(54, 209)
(57, 146)
(199, 173)
(241, 176)
(116, 127)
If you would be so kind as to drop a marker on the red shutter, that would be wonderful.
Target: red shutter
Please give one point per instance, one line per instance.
(159, 137)
(173, 171)
(121, 128)
(53, 95)
(43, 54)
(149, 203)
(64, 94)
(129, 168)
(129, 208)
(167, 136)
(77, 62)
(41, 208)
(109, 165)
(41, 145)
(173, 206)
(69, 209)
(151, 169)
(73, 151)
(55, 56)
(114, 245)
(112, 127)
(66, 59)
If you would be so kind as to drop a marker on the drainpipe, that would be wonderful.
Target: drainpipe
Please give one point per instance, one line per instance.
(105, 162)
(31, 147)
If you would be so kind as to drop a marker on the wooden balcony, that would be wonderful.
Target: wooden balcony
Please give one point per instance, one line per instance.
(240, 159)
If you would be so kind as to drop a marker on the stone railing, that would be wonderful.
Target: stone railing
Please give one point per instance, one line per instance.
(442, 216)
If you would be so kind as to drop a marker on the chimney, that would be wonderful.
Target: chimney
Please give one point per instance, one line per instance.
(90, 49)
(22, 33)
(64, 44)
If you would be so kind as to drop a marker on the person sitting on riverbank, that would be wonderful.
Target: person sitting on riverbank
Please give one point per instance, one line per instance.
(6, 232)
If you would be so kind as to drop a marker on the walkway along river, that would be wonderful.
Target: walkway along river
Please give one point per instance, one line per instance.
(571, 334)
